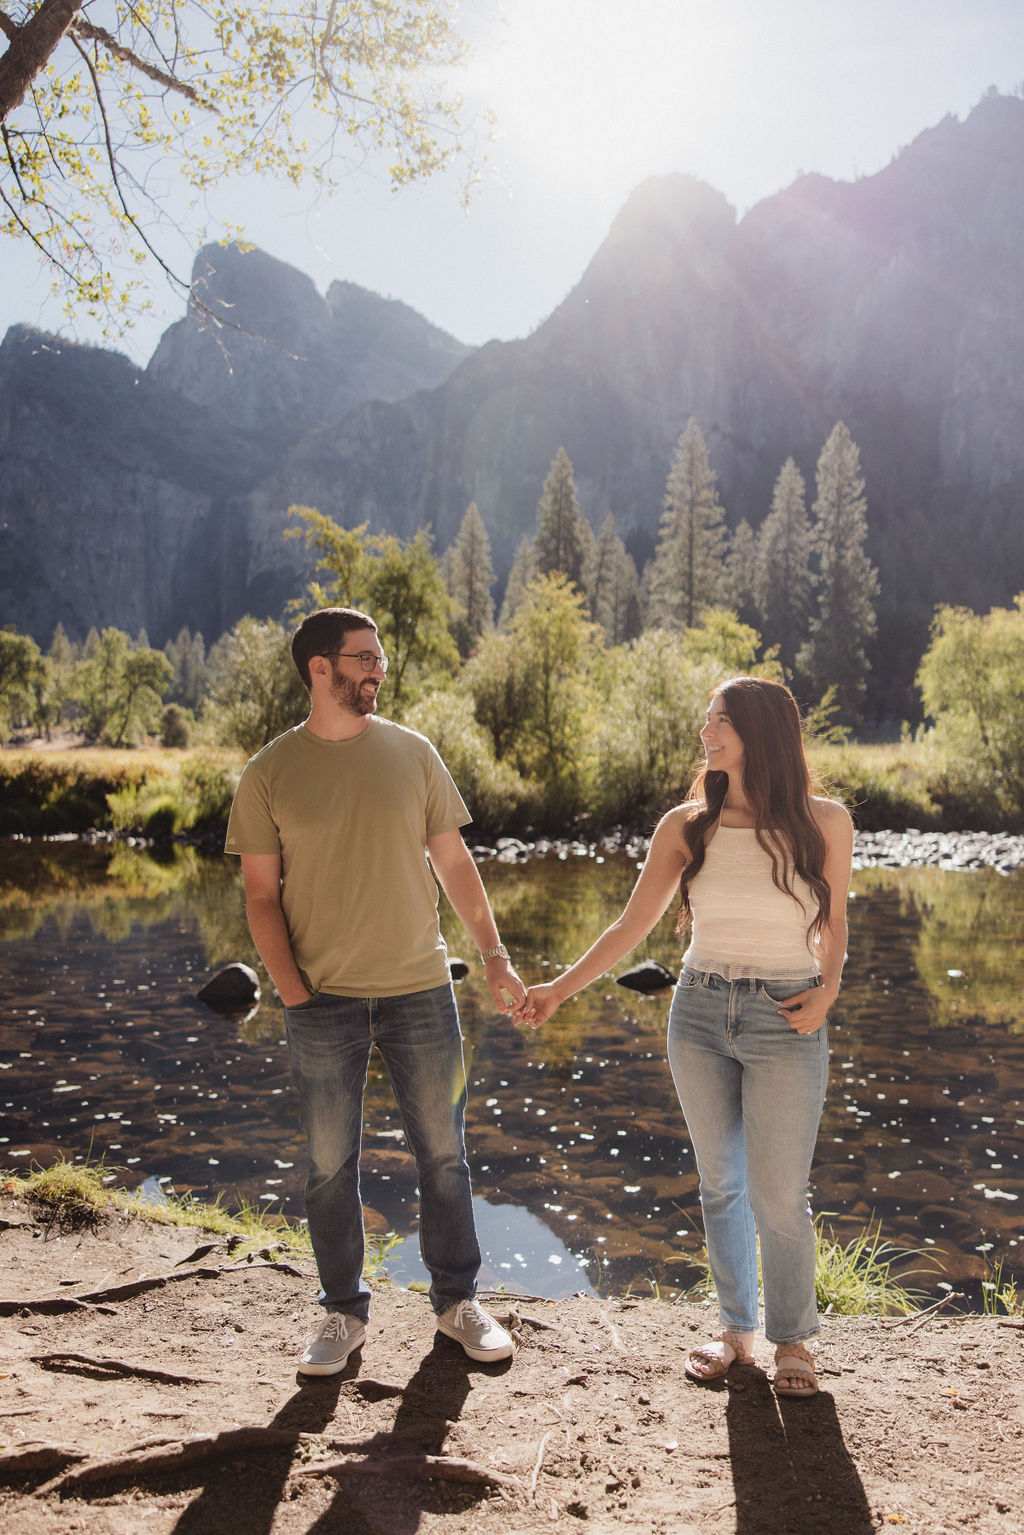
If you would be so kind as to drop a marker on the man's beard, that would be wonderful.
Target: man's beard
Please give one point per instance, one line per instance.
(350, 695)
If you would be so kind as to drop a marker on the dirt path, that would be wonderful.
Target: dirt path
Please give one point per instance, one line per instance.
(169, 1401)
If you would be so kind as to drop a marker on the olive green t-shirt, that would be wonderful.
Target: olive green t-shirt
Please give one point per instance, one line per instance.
(350, 820)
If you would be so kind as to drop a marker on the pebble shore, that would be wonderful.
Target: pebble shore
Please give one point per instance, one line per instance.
(954, 850)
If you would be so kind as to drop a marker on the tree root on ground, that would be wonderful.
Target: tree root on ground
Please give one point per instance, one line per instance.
(160, 1456)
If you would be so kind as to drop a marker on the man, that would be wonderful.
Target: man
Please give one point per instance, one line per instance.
(334, 822)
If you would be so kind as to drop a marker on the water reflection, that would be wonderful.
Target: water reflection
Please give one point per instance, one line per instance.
(577, 1126)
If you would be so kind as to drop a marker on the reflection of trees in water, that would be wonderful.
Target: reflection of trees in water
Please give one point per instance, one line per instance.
(549, 912)
(967, 922)
(578, 1121)
(115, 889)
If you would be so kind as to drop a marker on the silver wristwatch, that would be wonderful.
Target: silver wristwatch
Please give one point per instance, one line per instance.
(498, 952)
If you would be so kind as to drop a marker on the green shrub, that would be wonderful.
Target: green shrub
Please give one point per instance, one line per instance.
(207, 789)
(162, 816)
(176, 725)
(497, 797)
(42, 795)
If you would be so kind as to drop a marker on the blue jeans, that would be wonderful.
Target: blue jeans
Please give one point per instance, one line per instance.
(752, 1092)
(418, 1036)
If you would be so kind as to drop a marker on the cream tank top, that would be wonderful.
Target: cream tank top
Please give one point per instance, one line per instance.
(743, 924)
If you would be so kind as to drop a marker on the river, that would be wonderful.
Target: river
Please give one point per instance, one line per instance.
(583, 1173)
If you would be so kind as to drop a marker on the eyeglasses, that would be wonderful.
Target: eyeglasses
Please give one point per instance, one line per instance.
(367, 659)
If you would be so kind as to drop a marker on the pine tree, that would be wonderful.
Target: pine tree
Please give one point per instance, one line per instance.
(613, 587)
(835, 652)
(187, 655)
(563, 534)
(524, 568)
(783, 582)
(737, 591)
(688, 568)
(470, 577)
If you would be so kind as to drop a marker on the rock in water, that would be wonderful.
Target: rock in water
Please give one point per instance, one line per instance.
(232, 990)
(458, 968)
(648, 978)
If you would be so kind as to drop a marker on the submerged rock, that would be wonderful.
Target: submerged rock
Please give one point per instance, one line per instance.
(648, 977)
(232, 990)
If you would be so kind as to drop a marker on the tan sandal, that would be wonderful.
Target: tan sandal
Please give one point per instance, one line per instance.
(722, 1352)
(793, 1361)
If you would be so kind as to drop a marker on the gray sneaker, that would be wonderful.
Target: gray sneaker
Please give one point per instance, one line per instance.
(480, 1335)
(327, 1351)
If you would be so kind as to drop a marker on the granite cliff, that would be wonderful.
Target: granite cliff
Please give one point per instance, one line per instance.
(892, 303)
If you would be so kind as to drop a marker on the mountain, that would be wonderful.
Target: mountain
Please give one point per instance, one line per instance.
(892, 303)
(127, 495)
(261, 345)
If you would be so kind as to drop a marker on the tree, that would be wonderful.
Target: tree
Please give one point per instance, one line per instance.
(190, 679)
(119, 688)
(469, 579)
(737, 589)
(256, 693)
(970, 682)
(22, 673)
(524, 568)
(205, 91)
(688, 569)
(563, 534)
(534, 689)
(346, 558)
(412, 612)
(783, 581)
(613, 587)
(558, 651)
(835, 653)
(648, 736)
(398, 582)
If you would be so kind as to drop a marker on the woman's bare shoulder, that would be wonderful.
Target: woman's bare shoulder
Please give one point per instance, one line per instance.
(830, 814)
(681, 815)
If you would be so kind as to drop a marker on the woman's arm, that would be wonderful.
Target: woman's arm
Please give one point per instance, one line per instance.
(807, 1011)
(659, 879)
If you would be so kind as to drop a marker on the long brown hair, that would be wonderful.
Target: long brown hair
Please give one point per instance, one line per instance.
(777, 783)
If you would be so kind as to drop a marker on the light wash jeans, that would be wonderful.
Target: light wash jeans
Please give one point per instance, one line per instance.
(752, 1092)
(418, 1036)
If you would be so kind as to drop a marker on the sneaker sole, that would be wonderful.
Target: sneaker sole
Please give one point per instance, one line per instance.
(333, 1366)
(481, 1355)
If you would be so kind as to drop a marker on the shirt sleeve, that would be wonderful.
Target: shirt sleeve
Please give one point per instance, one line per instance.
(445, 807)
(251, 825)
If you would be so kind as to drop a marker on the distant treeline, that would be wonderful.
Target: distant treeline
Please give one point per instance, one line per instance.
(581, 701)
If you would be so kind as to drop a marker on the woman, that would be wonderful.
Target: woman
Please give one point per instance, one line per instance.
(762, 867)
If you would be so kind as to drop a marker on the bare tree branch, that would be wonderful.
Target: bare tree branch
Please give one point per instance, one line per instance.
(85, 29)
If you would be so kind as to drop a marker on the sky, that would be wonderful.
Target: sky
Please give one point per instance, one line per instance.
(591, 97)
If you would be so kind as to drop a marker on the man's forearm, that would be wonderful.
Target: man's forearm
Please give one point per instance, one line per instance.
(270, 935)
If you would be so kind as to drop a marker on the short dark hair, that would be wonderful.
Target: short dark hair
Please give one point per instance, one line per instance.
(324, 631)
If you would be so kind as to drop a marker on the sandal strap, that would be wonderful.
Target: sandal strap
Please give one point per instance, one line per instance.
(795, 1352)
(734, 1340)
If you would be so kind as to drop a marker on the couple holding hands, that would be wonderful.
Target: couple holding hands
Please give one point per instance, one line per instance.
(332, 821)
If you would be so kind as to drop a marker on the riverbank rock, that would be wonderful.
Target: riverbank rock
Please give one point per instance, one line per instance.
(955, 850)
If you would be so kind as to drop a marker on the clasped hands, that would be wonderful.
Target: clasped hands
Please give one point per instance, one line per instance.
(537, 1006)
(805, 1012)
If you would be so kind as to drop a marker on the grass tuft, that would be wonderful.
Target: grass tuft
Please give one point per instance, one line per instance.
(850, 1279)
(75, 1195)
(1000, 1294)
(855, 1278)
